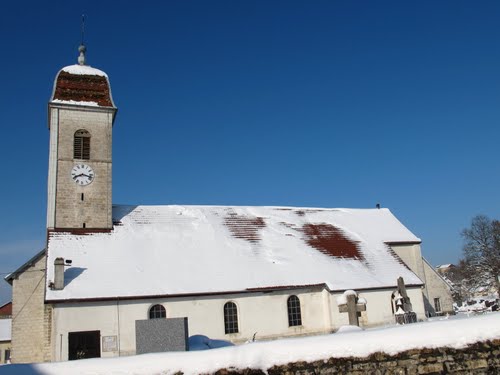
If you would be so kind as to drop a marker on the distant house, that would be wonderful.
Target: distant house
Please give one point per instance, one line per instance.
(233, 272)
(5, 340)
(5, 332)
(6, 310)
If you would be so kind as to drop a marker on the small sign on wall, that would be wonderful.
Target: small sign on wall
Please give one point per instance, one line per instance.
(109, 344)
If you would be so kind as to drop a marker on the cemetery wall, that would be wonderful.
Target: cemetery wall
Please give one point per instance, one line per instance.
(479, 358)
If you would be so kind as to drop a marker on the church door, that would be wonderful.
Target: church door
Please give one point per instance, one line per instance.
(84, 345)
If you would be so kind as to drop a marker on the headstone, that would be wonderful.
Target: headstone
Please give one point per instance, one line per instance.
(161, 335)
(407, 307)
(351, 306)
(404, 311)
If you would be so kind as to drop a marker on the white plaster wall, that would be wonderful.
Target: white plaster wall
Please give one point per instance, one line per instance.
(262, 313)
(411, 255)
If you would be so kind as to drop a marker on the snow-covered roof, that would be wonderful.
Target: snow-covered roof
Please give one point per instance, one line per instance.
(176, 250)
(5, 329)
(83, 70)
(445, 266)
(82, 85)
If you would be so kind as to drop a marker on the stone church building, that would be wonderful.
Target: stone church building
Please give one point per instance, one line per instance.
(232, 272)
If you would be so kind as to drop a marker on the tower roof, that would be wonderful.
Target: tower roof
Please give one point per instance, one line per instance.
(82, 85)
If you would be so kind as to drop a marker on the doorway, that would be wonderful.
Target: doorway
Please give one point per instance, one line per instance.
(85, 344)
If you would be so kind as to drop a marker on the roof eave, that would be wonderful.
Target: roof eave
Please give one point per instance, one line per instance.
(207, 294)
(13, 275)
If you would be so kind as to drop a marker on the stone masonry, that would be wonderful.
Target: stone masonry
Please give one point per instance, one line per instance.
(68, 207)
(479, 358)
(31, 318)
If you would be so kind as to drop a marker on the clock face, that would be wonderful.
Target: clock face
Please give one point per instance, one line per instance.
(82, 174)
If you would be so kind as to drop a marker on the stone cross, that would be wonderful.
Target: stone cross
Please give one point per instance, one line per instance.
(352, 307)
(407, 307)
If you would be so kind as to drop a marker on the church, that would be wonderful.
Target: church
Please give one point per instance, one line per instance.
(234, 273)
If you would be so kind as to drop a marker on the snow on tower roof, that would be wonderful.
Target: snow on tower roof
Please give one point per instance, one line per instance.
(83, 70)
(178, 250)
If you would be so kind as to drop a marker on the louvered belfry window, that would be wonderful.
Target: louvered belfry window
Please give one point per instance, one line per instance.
(81, 145)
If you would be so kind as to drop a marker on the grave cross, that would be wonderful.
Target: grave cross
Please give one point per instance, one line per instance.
(407, 307)
(352, 307)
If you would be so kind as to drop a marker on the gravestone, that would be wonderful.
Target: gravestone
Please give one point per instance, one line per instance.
(404, 311)
(352, 306)
(161, 335)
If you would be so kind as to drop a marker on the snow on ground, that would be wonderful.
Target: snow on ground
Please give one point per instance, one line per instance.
(477, 305)
(456, 333)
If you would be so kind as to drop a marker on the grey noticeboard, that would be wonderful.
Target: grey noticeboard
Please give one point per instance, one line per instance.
(161, 335)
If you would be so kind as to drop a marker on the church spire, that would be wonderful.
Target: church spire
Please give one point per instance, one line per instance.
(82, 49)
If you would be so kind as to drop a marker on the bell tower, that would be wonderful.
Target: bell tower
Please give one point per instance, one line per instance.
(81, 117)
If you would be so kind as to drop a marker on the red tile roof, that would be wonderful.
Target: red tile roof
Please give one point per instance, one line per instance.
(244, 227)
(6, 309)
(82, 88)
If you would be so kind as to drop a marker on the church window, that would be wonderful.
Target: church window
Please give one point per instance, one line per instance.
(437, 304)
(157, 312)
(230, 318)
(294, 314)
(81, 145)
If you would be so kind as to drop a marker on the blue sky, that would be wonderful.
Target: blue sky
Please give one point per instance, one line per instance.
(303, 103)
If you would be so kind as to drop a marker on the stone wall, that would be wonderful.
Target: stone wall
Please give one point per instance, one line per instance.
(67, 207)
(437, 288)
(479, 358)
(31, 318)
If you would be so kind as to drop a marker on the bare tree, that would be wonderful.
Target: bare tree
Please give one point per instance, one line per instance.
(482, 253)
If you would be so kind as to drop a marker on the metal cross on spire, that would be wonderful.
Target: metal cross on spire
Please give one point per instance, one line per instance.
(82, 49)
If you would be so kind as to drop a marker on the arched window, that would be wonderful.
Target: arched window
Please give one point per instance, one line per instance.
(81, 145)
(294, 315)
(157, 312)
(230, 318)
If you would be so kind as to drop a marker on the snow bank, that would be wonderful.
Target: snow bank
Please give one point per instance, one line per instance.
(456, 333)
